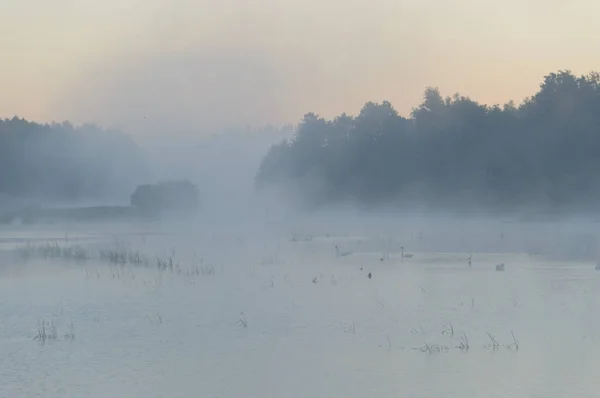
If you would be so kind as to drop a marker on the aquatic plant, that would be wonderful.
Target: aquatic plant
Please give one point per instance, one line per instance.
(242, 321)
(464, 343)
(46, 331)
(493, 345)
(515, 344)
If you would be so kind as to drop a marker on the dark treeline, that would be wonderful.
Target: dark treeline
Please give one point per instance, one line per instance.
(451, 152)
(63, 162)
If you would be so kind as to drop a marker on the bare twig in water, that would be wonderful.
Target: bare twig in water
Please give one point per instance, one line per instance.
(464, 343)
(433, 349)
(515, 344)
(494, 344)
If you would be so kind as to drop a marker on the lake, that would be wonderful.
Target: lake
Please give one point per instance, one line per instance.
(240, 313)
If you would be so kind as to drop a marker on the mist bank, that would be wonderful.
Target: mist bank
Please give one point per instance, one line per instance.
(223, 166)
(63, 172)
(451, 153)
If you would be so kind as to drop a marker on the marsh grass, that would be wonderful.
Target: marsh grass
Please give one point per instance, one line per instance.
(46, 331)
(207, 270)
(464, 343)
(119, 256)
(514, 346)
(433, 348)
(52, 251)
(493, 345)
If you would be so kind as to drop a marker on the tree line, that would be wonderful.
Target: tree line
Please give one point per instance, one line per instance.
(450, 152)
(63, 162)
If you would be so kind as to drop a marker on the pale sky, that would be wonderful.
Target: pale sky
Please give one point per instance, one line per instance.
(160, 66)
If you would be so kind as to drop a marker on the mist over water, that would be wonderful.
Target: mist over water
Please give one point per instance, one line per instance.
(257, 294)
(248, 297)
(267, 308)
(180, 245)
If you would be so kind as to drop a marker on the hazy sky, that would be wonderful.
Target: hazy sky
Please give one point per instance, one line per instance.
(144, 65)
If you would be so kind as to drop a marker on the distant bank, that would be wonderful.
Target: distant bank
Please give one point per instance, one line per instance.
(147, 202)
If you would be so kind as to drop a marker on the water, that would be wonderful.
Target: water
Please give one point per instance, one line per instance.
(316, 326)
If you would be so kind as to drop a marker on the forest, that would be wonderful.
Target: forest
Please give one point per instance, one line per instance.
(452, 152)
(61, 162)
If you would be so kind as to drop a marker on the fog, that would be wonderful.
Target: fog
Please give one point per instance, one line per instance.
(289, 200)
(270, 305)
(223, 166)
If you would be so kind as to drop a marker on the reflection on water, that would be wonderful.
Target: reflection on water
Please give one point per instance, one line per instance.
(316, 326)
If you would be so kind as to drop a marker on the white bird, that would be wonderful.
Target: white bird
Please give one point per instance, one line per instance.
(404, 255)
(342, 254)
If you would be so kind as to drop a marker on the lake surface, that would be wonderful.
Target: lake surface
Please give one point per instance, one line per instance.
(257, 315)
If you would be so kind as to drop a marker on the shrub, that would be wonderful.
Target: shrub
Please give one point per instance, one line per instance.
(168, 196)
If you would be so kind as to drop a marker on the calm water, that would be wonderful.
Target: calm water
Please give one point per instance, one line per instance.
(316, 325)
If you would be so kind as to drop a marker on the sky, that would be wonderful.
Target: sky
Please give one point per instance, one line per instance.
(156, 67)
